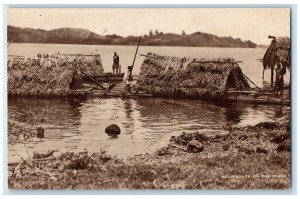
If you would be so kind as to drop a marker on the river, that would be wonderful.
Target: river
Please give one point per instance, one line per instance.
(146, 124)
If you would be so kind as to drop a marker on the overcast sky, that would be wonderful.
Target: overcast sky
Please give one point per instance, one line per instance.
(253, 24)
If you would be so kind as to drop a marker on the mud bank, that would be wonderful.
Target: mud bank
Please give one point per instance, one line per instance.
(253, 157)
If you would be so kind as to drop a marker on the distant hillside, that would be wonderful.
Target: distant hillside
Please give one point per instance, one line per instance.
(83, 36)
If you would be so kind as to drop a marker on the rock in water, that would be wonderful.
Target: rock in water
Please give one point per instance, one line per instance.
(113, 130)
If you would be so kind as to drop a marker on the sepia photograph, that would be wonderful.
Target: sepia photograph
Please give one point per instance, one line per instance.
(149, 98)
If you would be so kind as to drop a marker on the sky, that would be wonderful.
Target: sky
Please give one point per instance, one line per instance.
(253, 24)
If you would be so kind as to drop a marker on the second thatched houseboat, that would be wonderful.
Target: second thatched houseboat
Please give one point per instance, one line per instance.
(190, 78)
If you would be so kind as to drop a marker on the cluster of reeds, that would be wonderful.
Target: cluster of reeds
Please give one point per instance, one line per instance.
(185, 77)
(19, 134)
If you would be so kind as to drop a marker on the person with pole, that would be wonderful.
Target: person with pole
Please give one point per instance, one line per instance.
(127, 79)
(128, 75)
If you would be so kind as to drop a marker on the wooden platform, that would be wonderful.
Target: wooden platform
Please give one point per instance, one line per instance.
(117, 91)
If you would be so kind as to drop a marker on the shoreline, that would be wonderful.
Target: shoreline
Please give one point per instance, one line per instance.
(240, 158)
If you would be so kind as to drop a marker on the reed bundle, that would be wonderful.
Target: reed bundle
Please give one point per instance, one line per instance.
(185, 77)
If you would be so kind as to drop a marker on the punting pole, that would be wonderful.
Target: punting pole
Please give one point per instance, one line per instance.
(95, 81)
(251, 82)
(136, 51)
(130, 70)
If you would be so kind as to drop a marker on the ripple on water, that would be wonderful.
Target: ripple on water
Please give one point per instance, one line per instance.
(146, 125)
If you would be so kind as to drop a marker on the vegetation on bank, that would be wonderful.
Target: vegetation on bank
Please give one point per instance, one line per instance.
(242, 158)
(83, 36)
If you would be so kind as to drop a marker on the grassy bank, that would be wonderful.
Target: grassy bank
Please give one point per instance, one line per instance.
(242, 158)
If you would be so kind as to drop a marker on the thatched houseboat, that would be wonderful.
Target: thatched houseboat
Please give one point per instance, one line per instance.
(278, 51)
(190, 78)
(49, 77)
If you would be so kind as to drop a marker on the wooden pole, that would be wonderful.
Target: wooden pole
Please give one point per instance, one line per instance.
(136, 51)
(93, 80)
(131, 67)
(251, 82)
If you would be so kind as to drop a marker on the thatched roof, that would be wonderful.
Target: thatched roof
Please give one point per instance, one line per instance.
(33, 77)
(185, 77)
(89, 64)
(278, 51)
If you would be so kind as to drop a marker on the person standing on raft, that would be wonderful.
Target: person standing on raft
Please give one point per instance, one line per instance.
(116, 65)
(280, 71)
(127, 79)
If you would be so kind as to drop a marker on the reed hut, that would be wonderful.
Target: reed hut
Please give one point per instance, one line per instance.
(41, 78)
(89, 64)
(279, 50)
(192, 78)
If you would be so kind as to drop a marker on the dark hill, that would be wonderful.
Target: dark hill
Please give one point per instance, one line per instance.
(83, 36)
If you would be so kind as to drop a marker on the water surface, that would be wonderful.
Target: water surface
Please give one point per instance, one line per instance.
(146, 124)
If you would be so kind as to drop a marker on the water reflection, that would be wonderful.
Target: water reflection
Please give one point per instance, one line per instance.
(146, 124)
(54, 112)
(233, 112)
(129, 109)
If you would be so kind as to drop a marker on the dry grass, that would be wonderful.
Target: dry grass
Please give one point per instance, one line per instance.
(194, 172)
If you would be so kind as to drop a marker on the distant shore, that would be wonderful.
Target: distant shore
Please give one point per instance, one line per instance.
(133, 45)
(83, 36)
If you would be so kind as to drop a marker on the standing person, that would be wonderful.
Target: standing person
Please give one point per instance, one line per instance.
(116, 61)
(280, 71)
(127, 79)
